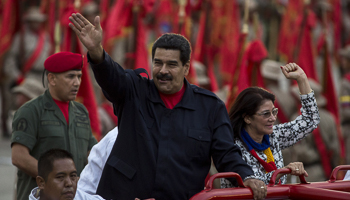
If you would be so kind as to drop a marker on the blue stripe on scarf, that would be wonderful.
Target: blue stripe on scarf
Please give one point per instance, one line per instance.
(252, 144)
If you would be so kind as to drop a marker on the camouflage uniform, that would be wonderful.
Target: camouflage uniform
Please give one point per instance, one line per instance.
(40, 125)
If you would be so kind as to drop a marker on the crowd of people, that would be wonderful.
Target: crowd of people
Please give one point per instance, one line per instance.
(191, 105)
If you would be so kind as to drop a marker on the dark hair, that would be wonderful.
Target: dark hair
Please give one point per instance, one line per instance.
(175, 42)
(45, 163)
(247, 104)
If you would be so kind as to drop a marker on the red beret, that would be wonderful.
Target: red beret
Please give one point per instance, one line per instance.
(63, 61)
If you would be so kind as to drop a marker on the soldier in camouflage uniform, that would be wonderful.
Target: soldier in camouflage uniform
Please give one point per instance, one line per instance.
(52, 120)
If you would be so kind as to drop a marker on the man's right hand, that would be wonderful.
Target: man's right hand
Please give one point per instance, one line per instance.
(89, 35)
(258, 187)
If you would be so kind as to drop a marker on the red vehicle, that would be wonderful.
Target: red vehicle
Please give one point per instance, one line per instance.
(331, 189)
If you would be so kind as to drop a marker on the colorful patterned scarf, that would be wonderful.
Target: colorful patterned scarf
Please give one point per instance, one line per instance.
(269, 165)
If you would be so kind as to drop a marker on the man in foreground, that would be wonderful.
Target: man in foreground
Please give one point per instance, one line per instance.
(57, 178)
(168, 129)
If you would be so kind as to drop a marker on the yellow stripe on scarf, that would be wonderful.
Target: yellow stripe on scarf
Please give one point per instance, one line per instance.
(269, 155)
(345, 99)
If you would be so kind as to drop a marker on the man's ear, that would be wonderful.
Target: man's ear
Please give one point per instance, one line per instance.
(187, 68)
(40, 182)
(51, 79)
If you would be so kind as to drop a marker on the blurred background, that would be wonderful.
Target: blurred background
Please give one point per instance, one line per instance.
(235, 44)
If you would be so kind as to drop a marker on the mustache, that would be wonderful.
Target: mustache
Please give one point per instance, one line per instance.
(164, 76)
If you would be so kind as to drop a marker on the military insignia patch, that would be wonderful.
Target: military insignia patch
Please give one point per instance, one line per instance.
(22, 125)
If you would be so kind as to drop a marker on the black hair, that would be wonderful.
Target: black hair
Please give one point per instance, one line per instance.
(46, 160)
(175, 42)
(247, 103)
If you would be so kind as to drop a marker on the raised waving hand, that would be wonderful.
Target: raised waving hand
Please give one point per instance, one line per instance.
(88, 34)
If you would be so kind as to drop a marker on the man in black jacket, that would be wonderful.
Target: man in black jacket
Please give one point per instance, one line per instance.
(168, 129)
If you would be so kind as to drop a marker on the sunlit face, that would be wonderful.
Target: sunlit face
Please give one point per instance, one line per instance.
(259, 123)
(65, 85)
(168, 71)
(61, 183)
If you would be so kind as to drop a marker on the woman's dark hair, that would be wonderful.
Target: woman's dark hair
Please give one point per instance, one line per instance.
(247, 104)
(175, 42)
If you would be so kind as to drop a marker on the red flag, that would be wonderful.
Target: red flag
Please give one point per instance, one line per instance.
(254, 53)
(83, 2)
(322, 149)
(1, 11)
(232, 40)
(204, 49)
(119, 17)
(330, 94)
(211, 75)
(242, 81)
(337, 22)
(257, 52)
(290, 27)
(306, 51)
(85, 94)
(68, 42)
(48, 7)
(328, 88)
(141, 54)
(9, 24)
(54, 11)
(192, 75)
(239, 79)
(182, 25)
(137, 57)
(104, 12)
(199, 50)
(163, 14)
(295, 41)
